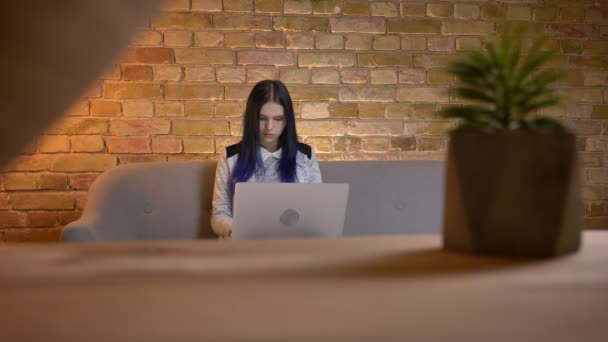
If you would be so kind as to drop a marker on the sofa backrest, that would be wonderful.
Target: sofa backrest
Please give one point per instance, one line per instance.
(159, 201)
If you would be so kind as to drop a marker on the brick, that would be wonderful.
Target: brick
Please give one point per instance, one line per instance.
(590, 159)
(374, 144)
(596, 15)
(385, 127)
(79, 126)
(237, 92)
(594, 62)
(199, 73)
(166, 145)
(399, 111)
(384, 9)
(52, 181)
(168, 108)
(222, 142)
(569, 46)
(376, 94)
(422, 95)
(203, 56)
(42, 201)
(198, 109)
(356, 7)
(11, 219)
(432, 128)
(412, 76)
(468, 44)
(383, 59)
(595, 78)
(128, 144)
(230, 74)
(35, 235)
(177, 38)
(597, 209)
(19, 181)
(431, 144)
(30, 147)
(493, 12)
(583, 127)
(439, 10)
(347, 144)
(467, 28)
(93, 91)
(354, 76)
(466, 11)
(319, 145)
(322, 76)
(137, 73)
(410, 9)
(53, 143)
(569, 2)
(146, 38)
(329, 41)
(571, 15)
(326, 6)
(299, 40)
(413, 43)
(157, 55)
(229, 109)
(116, 90)
(86, 143)
(371, 111)
(321, 128)
(570, 30)
(139, 158)
(545, 14)
(439, 77)
(173, 5)
(572, 77)
(297, 7)
(312, 93)
(267, 6)
(276, 58)
(198, 145)
(215, 39)
(403, 144)
(357, 41)
(600, 112)
(207, 5)
(519, 13)
(321, 59)
(78, 108)
(167, 73)
(595, 223)
(185, 91)
(123, 127)
(433, 61)
(440, 44)
(589, 95)
(193, 21)
(595, 47)
(41, 219)
(269, 40)
(241, 22)
(343, 110)
(237, 6)
(66, 217)
(363, 25)
(414, 26)
(387, 43)
(597, 176)
(199, 127)
(137, 108)
(105, 108)
(383, 76)
(305, 24)
(315, 110)
(256, 74)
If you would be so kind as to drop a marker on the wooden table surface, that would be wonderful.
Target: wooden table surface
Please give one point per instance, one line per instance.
(353, 289)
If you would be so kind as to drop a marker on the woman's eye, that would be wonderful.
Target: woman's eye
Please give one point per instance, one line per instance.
(279, 119)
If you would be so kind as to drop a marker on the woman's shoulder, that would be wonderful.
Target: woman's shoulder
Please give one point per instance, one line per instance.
(305, 150)
(233, 150)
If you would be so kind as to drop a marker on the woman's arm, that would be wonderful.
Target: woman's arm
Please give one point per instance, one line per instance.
(315, 171)
(221, 213)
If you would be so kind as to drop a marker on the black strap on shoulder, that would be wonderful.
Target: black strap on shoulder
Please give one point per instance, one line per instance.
(306, 149)
(232, 150)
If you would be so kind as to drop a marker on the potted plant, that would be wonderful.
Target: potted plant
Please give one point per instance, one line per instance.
(512, 180)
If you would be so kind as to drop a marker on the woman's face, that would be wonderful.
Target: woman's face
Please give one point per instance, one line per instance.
(272, 124)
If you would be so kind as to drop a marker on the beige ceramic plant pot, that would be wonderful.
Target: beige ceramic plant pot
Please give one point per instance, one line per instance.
(512, 193)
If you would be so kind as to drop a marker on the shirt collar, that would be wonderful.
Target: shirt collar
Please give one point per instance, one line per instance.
(265, 154)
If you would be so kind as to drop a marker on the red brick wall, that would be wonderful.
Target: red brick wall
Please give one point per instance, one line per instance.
(366, 78)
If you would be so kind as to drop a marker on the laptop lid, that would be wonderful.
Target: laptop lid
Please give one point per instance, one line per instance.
(287, 210)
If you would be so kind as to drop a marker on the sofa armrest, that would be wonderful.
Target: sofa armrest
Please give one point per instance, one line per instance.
(78, 231)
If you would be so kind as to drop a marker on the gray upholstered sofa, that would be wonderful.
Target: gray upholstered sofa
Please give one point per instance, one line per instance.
(157, 201)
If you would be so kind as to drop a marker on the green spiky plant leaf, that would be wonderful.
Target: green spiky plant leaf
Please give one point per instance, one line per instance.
(503, 86)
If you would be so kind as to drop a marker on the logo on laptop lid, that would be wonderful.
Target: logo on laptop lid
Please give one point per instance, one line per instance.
(289, 217)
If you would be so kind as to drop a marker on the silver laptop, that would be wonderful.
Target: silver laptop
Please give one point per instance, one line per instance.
(285, 210)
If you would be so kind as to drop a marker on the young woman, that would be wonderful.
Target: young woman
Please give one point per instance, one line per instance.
(269, 151)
